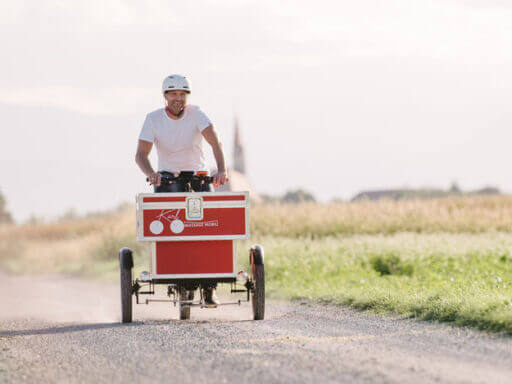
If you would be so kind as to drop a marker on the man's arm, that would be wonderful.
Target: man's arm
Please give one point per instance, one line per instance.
(142, 160)
(211, 136)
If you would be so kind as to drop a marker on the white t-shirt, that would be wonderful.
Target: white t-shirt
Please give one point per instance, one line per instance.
(178, 142)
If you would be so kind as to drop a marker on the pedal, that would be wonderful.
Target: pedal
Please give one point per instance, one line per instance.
(209, 306)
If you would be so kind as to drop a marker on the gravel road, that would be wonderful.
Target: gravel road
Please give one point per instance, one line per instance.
(64, 330)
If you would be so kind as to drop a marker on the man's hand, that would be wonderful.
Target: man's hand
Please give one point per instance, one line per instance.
(155, 178)
(142, 160)
(220, 178)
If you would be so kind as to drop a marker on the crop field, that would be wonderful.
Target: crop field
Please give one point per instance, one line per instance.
(446, 259)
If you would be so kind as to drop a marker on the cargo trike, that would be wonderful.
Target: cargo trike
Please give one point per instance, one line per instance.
(192, 248)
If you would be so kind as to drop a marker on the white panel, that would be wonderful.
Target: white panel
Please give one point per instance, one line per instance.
(196, 275)
(190, 238)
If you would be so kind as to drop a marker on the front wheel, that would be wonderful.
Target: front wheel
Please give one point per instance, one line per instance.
(126, 265)
(258, 282)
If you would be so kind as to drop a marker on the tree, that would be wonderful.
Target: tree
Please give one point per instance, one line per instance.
(269, 199)
(297, 196)
(69, 215)
(5, 216)
(454, 188)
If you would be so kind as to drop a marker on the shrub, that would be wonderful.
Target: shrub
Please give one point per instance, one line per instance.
(391, 264)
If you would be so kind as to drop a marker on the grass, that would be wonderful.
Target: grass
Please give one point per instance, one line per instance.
(459, 278)
(452, 215)
(447, 259)
(85, 247)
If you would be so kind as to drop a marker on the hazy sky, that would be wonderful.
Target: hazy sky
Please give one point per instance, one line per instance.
(333, 97)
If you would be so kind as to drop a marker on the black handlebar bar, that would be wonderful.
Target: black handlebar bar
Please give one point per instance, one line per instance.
(184, 177)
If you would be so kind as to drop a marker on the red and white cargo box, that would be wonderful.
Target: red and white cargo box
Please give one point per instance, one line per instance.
(193, 232)
(192, 216)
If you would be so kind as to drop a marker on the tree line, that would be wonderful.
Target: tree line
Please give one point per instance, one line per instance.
(5, 216)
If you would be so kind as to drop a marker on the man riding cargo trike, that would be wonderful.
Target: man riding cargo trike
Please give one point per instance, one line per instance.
(191, 229)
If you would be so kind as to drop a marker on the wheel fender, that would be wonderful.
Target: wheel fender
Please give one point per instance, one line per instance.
(126, 258)
(257, 255)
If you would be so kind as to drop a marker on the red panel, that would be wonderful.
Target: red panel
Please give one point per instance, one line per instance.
(223, 198)
(183, 198)
(163, 199)
(216, 222)
(185, 257)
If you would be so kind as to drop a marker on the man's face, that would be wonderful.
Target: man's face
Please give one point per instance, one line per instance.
(176, 100)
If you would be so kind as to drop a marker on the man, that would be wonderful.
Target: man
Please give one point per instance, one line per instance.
(177, 132)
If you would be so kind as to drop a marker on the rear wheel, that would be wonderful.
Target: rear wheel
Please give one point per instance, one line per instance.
(185, 295)
(258, 281)
(126, 265)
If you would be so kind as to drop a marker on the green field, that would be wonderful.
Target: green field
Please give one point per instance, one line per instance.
(447, 260)
(458, 278)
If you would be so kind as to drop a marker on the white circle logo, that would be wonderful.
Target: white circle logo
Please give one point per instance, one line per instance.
(177, 226)
(156, 227)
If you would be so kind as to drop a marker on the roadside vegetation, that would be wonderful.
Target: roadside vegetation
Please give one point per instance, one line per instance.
(477, 214)
(447, 259)
(460, 278)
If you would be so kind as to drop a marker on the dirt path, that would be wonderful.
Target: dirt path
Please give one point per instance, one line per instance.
(55, 329)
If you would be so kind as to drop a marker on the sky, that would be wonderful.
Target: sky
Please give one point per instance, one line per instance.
(333, 97)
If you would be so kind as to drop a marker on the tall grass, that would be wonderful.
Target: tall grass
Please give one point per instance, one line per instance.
(47, 247)
(87, 246)
(452, 215)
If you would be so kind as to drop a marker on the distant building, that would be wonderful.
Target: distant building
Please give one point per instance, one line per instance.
(422, 193)
(237, 177)
(238, 151)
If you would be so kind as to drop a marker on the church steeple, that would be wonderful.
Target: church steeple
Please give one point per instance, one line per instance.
(239, 158)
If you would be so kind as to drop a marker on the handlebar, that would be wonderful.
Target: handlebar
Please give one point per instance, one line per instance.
(184, 177)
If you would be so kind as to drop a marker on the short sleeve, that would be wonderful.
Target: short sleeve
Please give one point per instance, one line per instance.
(147, 133)
(202, 120)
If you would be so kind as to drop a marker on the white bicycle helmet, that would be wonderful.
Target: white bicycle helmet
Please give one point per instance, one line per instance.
(175, 83)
